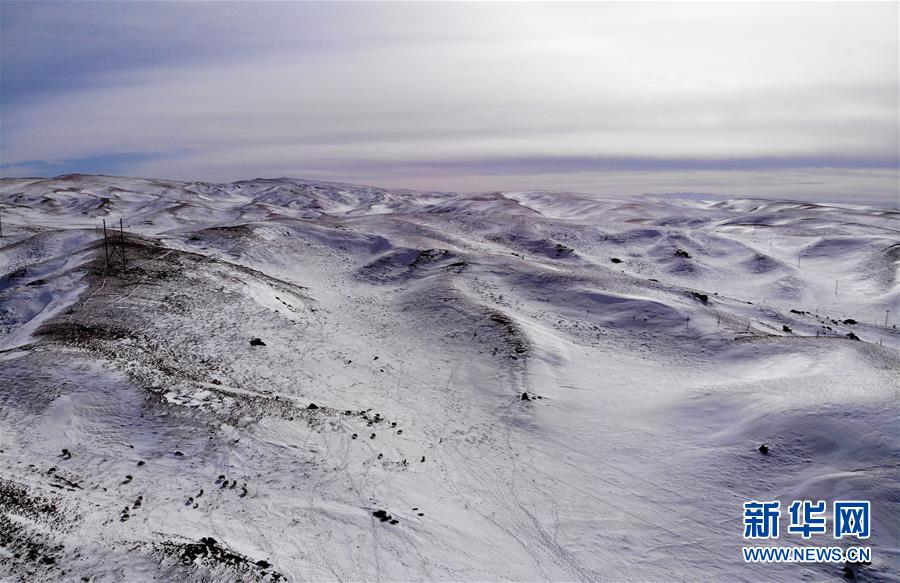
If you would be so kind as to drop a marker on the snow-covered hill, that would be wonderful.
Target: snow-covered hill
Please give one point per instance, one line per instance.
(282, 360)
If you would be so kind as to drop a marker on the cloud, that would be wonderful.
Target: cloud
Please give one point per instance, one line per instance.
(464, 90)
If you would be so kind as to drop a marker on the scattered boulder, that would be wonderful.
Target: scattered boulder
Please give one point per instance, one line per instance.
(682, 253)
(562, 249)
(702, 297)
(525, 397)
(257, 342)
(786, 328)
(852, 336)
(850, 321)
(381, 515)
(764, 449)
(616, 260)
(312, 406)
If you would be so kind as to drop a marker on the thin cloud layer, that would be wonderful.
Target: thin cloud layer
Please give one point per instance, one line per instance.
(466, 96)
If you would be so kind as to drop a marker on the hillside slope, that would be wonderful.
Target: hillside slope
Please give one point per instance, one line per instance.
(261, 368)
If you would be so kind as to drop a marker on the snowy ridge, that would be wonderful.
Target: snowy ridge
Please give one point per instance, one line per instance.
(283, 359)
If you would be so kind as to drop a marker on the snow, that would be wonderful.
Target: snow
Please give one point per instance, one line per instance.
(652, 381)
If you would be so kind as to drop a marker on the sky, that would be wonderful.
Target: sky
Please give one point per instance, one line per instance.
(753, 99)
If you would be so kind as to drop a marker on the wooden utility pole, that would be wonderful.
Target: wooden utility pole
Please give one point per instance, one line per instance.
(122, 245)
(105, 247)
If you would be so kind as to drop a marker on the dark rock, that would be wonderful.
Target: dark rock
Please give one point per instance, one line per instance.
(312, 406)
(525, 397)
(353, 436)
(852, 336)
(141, 462)
(263, 564)
(257, 342)
(786, 328)
(702, 297)
(616, 260)
(682, 253)
(381, 515)
(764, 449)
(423, 459)
(850, 321)
(372, 436)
